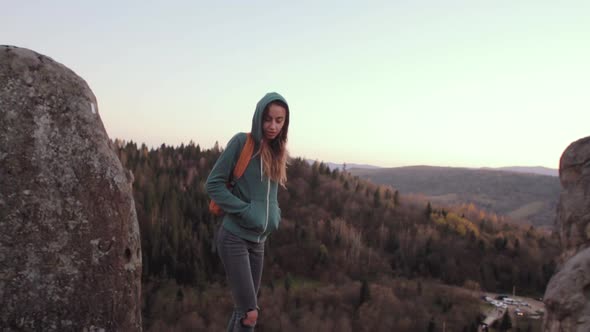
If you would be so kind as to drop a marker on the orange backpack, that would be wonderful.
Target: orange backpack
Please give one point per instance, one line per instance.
(239, 170)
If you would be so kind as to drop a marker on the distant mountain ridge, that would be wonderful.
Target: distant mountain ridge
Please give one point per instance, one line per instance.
(531, 170)
(524, 197)
(341, 166)
(540, 170)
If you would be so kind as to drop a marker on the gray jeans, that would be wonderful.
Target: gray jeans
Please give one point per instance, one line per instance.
(242, 261)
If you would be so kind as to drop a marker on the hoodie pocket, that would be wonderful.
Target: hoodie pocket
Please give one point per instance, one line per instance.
(274, 216)
(254, 218)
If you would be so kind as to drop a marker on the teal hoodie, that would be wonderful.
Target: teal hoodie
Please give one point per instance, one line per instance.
(251, 208)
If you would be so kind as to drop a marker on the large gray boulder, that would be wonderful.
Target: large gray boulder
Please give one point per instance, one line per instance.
(70, 255)
(567, 298)
(573, 211)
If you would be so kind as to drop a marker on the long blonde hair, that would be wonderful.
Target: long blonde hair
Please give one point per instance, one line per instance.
(274, 153)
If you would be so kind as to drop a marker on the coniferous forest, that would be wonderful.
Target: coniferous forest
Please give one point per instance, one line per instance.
(349, 255)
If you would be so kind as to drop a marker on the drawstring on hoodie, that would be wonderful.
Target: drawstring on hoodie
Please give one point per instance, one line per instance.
(256, 155)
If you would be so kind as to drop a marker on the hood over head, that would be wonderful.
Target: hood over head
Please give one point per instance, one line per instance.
(257, 118)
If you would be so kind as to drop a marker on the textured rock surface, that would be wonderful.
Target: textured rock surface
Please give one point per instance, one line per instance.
(70, 255)
(567, 297)
(573, 211)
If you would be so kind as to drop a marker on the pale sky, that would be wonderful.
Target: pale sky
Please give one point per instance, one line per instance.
(390, 83)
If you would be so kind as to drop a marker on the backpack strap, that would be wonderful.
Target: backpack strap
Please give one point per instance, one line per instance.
(244, 159)
(238, 171)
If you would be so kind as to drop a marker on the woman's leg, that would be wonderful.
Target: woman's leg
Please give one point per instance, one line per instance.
(235, 256)
(256, 251)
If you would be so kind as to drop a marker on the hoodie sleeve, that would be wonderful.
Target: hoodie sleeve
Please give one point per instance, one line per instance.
(220, 174)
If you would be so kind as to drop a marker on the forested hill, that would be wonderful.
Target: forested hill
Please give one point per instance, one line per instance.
(340, 237)
(525, 198)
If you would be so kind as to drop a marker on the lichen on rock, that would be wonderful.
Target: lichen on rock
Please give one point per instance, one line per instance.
(70, 249)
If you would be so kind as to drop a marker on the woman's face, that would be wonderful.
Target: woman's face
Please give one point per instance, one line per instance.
(273, 121)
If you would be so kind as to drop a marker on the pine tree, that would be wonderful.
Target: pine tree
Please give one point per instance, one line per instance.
(506, 323)
(428, 210)
(288, 282)
(431, 325)
(365, 294)
(377, 198)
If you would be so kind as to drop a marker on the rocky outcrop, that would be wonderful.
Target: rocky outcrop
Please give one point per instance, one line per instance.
(70, 256)
(573, 211)
(567, 298)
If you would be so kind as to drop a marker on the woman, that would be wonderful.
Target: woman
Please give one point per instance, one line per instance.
(251, 208)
